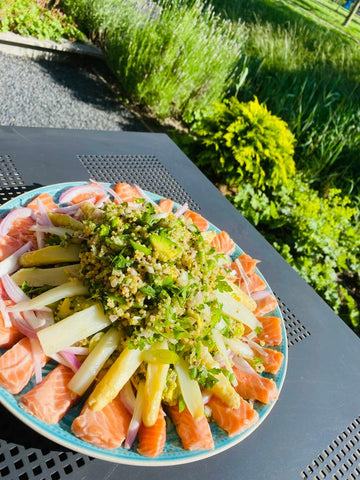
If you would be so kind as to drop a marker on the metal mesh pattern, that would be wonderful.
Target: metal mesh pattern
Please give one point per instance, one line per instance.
(340, 460)
(295, 330)
(18, 462)
(11, 183)
(144, 170)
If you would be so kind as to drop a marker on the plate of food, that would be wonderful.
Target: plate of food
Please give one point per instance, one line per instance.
(131, 329)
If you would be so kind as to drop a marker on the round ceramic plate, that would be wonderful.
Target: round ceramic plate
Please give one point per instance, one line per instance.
(173, 453)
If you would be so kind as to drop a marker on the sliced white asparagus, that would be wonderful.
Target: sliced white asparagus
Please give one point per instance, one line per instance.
(154, 385)
(37, 277)
(94, 362)
(237, 311)
(190, 390)
(220, 344)
(72, 329)
(115, 378)
(68, 289)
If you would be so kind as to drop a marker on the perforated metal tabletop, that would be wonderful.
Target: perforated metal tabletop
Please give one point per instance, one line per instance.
(313, 432)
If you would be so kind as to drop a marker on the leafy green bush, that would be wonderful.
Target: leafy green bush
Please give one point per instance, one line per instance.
(31, 18)
(244, 142)
(319, 237)
(176, 57)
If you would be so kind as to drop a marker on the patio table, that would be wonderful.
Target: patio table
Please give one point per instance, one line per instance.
(313, 430)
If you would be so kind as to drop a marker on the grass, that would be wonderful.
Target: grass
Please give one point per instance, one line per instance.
(309, 75)
(331, 12)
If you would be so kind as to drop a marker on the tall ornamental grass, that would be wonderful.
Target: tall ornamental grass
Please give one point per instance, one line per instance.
(174, 56)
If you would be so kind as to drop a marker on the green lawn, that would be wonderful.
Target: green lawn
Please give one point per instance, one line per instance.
(331, 12)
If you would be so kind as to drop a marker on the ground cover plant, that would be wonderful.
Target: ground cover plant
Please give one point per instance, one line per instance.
(38, 19)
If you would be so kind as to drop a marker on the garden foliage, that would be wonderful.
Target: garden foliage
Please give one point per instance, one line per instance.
(318, 236)
(37, 19)
(172, 56)
(245, 142)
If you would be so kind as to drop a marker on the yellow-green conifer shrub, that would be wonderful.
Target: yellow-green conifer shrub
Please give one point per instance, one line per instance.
(245, 142)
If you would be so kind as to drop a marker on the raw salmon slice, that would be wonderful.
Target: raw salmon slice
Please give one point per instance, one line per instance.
(197, 219)
(17, 366)
(166, 205)
(8, 245)
(126, 192)
(105, 428)
(152, 439)
(46, 200)
(51, 399)
(271, 359)
(81, 197)
(271, 333)
(223, 243)
(233, 420)
(265, 305)
(195, 434)
(253, 386)
(8, 335)
(248, 264)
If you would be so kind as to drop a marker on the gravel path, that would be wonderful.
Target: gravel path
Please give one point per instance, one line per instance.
(52, 94)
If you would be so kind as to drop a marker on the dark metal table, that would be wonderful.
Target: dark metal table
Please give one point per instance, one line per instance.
(314, 429)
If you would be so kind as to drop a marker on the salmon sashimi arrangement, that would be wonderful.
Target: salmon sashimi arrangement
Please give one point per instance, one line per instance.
(197, 220)
(152, 439)
(106, 428)
(143, 320)
(51, 399)
(233, 420)
(223, 243)
(253, 386)
(195, 433)
(166, 205)
(17, 366)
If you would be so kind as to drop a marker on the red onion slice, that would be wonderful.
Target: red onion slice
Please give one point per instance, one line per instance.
(68, 195)
(10, 264)
(22, 212)
(13, 291)
(136, 418)
(243, 275)
(181, 210)
(242, 364)
(5, 315)
(43, 218)
(22, 325)
(128, 398)
(146, 197)
(108, 190)
(37, 354)
(260, 295)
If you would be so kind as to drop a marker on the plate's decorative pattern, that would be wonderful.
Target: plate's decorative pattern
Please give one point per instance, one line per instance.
(173, 453)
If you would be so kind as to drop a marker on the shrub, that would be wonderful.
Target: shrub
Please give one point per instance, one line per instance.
(31, 18)
(176, 57)
(318, 236)
(244, 142)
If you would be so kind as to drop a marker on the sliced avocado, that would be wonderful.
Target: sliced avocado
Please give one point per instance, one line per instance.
(62, 220)
(37, 277)
(167, 249)
(50, 256)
